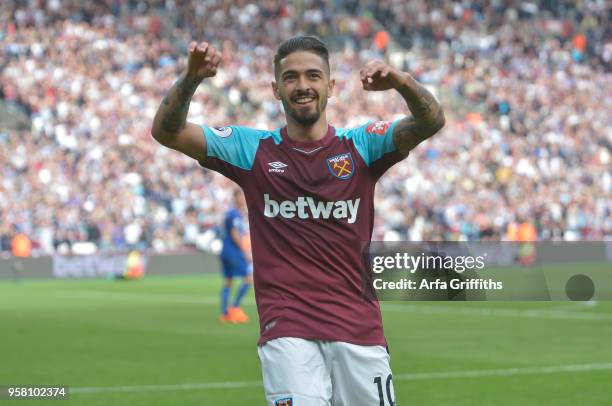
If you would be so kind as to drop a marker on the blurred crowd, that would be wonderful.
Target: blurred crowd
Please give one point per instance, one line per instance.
(526, 89)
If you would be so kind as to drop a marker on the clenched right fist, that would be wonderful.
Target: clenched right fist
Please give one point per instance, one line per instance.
(203, 60)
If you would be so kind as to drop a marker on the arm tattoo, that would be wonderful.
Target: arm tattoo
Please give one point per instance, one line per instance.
(425, 109)
(176, 104)
(427, 117)
(403, 129)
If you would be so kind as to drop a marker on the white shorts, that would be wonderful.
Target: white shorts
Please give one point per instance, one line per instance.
(298, 372)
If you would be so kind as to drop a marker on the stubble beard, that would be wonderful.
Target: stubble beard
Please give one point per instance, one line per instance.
(306, 119)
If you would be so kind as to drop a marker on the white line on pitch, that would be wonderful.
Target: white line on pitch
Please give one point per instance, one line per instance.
(386, 306)
(162, 388)
(145, 297)
(399, 377)
(504, 372)
(527, 313)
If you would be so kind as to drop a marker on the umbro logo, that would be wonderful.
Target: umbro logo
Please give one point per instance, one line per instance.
(277, 167)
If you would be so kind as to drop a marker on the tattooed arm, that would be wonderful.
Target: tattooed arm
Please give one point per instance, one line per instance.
(170, 126)
(427, 115)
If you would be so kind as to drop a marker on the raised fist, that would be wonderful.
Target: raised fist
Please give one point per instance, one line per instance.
(377, 75)
(203, 61)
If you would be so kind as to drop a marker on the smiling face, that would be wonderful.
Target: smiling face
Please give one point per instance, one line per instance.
(303, 86)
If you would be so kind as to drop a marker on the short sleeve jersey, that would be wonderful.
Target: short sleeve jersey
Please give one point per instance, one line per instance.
(311, 210)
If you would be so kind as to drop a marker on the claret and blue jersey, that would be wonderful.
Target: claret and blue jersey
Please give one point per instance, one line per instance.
(310, 212)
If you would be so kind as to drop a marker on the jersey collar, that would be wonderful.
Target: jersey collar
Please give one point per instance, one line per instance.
(308, 146)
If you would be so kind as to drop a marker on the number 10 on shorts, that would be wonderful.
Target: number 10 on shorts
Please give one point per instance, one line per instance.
(379, 384)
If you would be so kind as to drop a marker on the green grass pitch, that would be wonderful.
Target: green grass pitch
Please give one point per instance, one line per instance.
(157, 342)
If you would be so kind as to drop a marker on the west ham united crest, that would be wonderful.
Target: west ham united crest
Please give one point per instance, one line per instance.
(341, 166)
(284, 402)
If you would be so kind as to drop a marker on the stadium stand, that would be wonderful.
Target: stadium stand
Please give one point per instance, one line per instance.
(526, 88)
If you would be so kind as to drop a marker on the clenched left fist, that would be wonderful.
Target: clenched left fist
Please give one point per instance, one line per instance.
(377, 75)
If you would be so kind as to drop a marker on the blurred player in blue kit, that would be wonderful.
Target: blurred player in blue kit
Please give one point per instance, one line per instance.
(235, 260)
